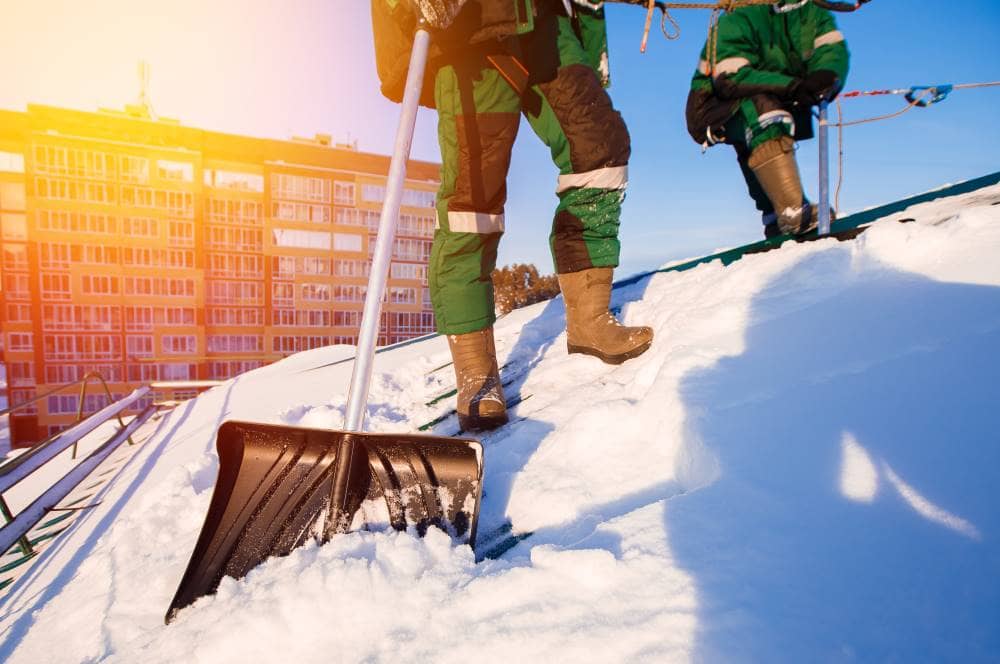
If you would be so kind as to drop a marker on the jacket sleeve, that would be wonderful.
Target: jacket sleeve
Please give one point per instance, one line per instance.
(737, 60)
(829, 48)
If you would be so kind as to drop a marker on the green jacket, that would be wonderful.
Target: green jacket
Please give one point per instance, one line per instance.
(760, 50)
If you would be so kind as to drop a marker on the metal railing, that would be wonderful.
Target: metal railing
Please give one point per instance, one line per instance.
(17, 526)
(83, 383)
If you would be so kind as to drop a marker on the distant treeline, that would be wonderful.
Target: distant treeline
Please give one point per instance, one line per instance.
(519, 285)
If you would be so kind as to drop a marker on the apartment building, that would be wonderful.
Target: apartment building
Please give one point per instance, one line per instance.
(144, 250)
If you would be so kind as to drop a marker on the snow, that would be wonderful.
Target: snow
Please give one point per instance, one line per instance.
(801, 468)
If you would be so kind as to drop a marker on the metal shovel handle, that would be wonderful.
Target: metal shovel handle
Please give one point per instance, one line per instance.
(361, 377)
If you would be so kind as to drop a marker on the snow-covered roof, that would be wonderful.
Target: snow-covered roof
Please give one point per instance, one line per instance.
(801, 468)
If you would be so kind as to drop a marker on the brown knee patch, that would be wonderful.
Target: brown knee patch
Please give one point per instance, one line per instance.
(569, 248)
(484, 146)
(596, 132)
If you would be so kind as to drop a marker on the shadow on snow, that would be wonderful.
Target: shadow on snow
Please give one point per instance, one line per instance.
(855, 514)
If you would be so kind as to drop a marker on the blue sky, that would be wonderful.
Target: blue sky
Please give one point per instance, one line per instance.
(305, 66)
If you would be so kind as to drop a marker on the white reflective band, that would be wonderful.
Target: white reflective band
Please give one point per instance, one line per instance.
(730, 66)
(475, 222)
(769, 118)
(703, 68)
(765, 120)
(834, 37)
(612, 177)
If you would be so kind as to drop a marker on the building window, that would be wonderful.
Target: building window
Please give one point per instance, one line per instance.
(159, 286)
(18, 287)
(411, 324)
(224, 370)
(173, 371)
(287, 237)
(304, 212)
(295, 344)
(419, 225)
(143, 372)
(61, 373)
(12, 196)
(235, 239)
(99, 285)
(352, 268)
(23, 396)
(349, 293)
(134, 169)
(235, 265)
(138, 318)
(234, 211)
(95, 254)
(73, 162)
(375, 193)
(13, 227)
(181, 233)
(347, 242)
(80, 317)
(180, 171)
(283, 294)
(139, 346)
(179, 344)
(300, 188)
(347, 319)
(63, 404)
(11, 162)
(20, 374)
(234, 180)
(20, 342)
(315, 292)
(343, 193)
(411, 271)
(15, 257)
(82, 347)
(140, 227)
(56, 287)
(398, 295)
(57, 220)
(73, 190)
(235, 343)
(234, 317)
(407, 249)
(18, 313)
(235, 292)
(178, 316)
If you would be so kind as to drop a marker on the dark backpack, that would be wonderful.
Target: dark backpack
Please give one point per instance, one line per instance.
(393, 25)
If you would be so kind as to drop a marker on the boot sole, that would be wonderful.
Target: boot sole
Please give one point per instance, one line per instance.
(472, 423)
(609, 359)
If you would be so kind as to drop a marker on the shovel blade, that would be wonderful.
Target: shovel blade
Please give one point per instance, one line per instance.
(275, 484)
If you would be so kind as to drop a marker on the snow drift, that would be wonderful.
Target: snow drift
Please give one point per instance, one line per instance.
(802, 468)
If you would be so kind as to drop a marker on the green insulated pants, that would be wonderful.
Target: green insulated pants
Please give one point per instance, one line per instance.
(479, 109)
(759, 119)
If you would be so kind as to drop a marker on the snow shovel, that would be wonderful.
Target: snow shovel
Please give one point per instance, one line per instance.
(279, 486)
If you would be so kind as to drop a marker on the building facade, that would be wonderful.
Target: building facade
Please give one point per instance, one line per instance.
(144, 250)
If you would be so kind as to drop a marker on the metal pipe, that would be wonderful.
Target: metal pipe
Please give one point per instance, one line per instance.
(361, 376)
(33, 513)
(824, 172)
(14, 471)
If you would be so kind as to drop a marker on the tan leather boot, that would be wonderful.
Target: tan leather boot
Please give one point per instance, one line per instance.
(480, 405)
(590, 327)
(773, 162)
